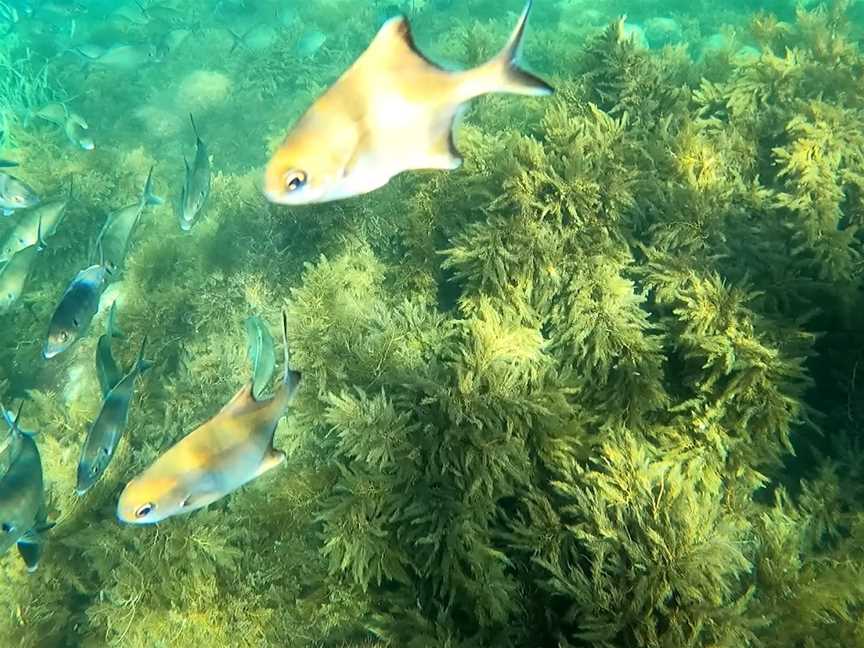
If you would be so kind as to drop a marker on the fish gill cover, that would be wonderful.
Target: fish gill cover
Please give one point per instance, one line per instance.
(598, 387)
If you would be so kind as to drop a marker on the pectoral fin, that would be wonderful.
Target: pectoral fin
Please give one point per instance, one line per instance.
(442, 152)
(31, 552)
(272, 459)
(31, 544)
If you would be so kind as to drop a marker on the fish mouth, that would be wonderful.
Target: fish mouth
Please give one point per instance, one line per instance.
(50, 352)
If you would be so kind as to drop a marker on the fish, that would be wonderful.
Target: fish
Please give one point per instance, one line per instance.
(392, 111)
(46, 216)
(107, 371)
(256, 38)
(14, 275)
(15, 194)
(77, 131)
(113, 239)
(126, 57)
(218, 457)
(309, 44)
(196, 186)
(88, 52)
(170, 41)
(262, 357)
(76, 309)
(7, 164)
(55, 113)
(23, 517)
(108, 428)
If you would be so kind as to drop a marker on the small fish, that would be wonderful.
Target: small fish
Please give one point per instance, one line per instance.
(390, 112)
(261, 354)
(56, 113)
(215, 459)
(127, 57)
(46, 216)
(76, 309)
(60, 8)
(113, 239)
(107, 371)
(15, 194)
(6, 164)
(256, 38)
(13, 275)
(77, 131)
(196, 186)
(108, 427)
(23, 519)
(170, 41)
(309, 44)
(89, 52)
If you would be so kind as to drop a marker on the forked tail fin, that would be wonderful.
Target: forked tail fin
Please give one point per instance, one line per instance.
(503, 74)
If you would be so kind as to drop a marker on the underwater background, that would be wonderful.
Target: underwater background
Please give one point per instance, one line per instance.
(599, 387)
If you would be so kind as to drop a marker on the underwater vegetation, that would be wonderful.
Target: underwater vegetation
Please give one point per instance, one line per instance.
(597, 388)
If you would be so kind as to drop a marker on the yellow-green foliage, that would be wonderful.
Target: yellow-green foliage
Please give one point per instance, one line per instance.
(599, 387)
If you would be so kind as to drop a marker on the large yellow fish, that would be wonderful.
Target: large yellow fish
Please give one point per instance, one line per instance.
(391, 111)
(220, 456)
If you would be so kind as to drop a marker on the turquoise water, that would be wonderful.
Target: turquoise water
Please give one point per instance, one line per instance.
(597, 386)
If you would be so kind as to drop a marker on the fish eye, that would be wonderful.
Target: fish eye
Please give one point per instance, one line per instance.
(7, 528)
(294, 180)
(144, 510)
(94, 470)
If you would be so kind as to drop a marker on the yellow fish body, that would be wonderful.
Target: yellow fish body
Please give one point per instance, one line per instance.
(218, 457)
(391, 111)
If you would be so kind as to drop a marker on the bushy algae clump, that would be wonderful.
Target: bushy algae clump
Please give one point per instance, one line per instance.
(598, 388)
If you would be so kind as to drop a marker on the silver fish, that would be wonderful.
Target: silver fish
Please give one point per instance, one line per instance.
(76, 309)
(13, 276)
(23, 519)
(127, 57)
(256, 38)
(78, 133)
(89, 52)
(107, 371)
(47, 216)
(15, 194)
(196, 187)
(261, 354)
(309, 44)
(55, 113)
(113, 239)
(108, 427)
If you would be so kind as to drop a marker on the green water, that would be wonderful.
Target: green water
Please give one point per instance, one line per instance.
(597, 387)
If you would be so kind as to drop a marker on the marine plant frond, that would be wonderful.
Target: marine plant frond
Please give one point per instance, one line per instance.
(655, 562)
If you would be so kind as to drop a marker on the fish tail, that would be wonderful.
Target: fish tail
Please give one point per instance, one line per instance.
(502, 74)
(149, 197)
(291, 378)
(142, 365)
(238, 40)
(113, 329)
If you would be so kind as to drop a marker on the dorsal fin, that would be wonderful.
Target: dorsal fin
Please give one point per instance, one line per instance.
(239, 400)
(394, 43)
